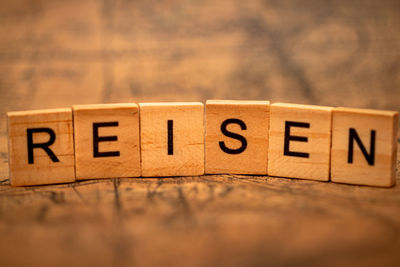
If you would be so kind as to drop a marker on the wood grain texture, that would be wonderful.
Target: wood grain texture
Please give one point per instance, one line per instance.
(125, 162)
(175, 149)
(332, 52)
(196, 221)
(307, 145)
(39, 167)
(378, 127)
(255, 118)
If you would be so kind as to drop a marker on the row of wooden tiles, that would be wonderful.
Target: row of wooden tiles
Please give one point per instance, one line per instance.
(355, 146)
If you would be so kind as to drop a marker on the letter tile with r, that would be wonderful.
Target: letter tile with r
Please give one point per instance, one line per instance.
(41, 147)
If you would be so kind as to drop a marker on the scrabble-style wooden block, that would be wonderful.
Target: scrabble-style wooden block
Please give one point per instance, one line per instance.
(236, 138)
(172, 139)
(41, 147)
(364, 146)
(106, 141)
(299, 141)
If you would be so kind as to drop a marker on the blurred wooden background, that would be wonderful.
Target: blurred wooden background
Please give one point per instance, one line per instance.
(58, 53)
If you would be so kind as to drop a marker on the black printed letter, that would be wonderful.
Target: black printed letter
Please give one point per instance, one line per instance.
(170, 137)
(44, 146)
(354, 136)
(289, 138)
(234, 136)
(97, 139)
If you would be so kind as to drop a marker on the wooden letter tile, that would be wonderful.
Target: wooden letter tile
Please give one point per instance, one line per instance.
(236, 137)
(172, 139)
(299, 141)
(107, 141)
(41, 147)
(364, 146)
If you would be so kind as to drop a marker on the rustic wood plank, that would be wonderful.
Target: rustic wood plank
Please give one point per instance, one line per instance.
(124, 219)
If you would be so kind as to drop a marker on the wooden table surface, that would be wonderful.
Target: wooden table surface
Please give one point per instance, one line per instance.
(59, 53)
